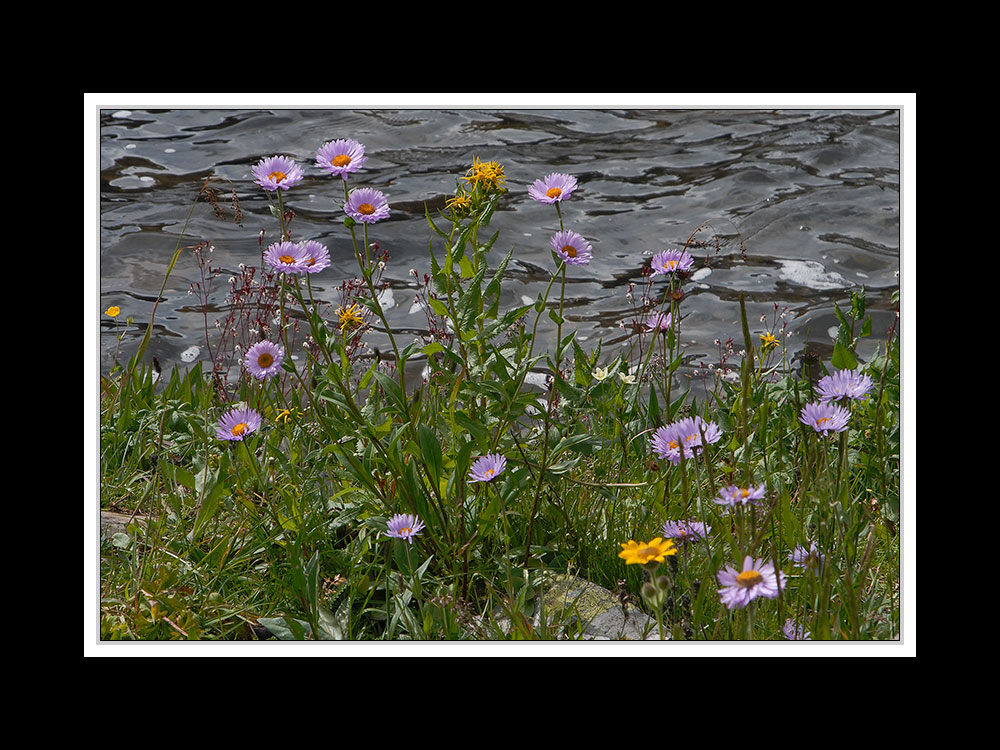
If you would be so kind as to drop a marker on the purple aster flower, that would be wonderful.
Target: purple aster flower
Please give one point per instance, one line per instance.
(553, 189)
(571, 247)
(237, 424)
(794, 632)
(810, 558)
(685, 531)
(671, 261)
(367, 205)
(659, 322)
(286, 256)
(844, 384)
(733, 495)
(487, 468)
(404, 526)
(315, 256)
(341, 157)
(668, 441)
(276, 173)
(264, 359)
(758, 578)
(825, 418)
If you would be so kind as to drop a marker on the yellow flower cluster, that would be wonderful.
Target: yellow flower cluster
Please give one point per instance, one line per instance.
(487, 173)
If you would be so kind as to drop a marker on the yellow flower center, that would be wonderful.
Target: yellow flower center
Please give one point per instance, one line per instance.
(553, 192)
(366, 208)
(671, 264)
(488, 473)
(340, 160)
(277, 176)
(821, 420)
(265, 360)
(241, 428)
(744, 493)
(288, 259)
(673, 445)
(647, 553)
(569, 249)
(404, 530)
(749, 578)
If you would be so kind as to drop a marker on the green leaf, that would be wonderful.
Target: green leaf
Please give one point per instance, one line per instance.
(843, 358)
(209, 505)
(286, 629)
(430, 448)
(392, 390)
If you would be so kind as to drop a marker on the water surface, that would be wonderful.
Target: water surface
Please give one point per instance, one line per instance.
(799, 207)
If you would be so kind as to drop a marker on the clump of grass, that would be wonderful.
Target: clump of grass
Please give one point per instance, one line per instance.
(328, 496)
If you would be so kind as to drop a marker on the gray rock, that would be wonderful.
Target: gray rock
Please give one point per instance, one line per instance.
(596, 611)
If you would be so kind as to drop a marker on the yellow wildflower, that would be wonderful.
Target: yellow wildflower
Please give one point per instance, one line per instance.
(113, 311)
(489, 173)
(460, 203)
(349, 317)
(642, 553)
(285, 414)
(767, 340)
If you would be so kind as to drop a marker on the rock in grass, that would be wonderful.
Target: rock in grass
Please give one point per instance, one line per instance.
(577, 608)
(117, 523)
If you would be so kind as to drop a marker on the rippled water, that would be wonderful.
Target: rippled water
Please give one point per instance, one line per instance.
(814, 195)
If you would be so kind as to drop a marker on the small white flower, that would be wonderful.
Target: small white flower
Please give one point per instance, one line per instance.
(627, 379)
(600, 373)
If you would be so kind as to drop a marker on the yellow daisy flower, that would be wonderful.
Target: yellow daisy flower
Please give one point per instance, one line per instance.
(641, 553)
(767, 340)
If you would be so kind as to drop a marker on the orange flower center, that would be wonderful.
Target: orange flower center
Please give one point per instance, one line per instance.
(553, 192)
(568, 249)
(749, 578)
(671, 264)
(745, 493)
(277, 176)
(287, 259)
(405, 530)
(821, 420)
(366, 208)
(241, 428)
(340, 160)
(647, 553)
(265, 360)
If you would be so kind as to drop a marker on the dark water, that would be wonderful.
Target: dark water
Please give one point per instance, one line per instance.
(814, 196)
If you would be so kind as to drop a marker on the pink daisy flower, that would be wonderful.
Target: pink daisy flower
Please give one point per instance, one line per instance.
(758, 578)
